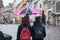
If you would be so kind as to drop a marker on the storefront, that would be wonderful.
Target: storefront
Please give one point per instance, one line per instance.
(58, 19)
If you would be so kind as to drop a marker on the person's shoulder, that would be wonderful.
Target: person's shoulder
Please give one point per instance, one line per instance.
(43, 27)
(20, 26)
(32, 26)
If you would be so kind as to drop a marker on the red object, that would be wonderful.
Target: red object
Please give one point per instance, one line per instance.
(25, 20)
(25, 34)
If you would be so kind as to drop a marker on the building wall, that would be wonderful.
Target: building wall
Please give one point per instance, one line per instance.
(57, 12)
(58, 20)
(20, 5)
(1, 4)
(8, 13)
(46, 11)
(35, 4)
(40, 5)
(58, 6)
(16, 2)
(54, 20)
(1, 15)
(1, 10)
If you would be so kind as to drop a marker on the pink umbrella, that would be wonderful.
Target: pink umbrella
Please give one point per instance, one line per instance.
(36, 11)
(33, 10)
(19, 11)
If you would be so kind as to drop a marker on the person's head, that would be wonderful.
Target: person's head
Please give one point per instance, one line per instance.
(37, 18)
(25, 20)
(43, 12)
(37, 21)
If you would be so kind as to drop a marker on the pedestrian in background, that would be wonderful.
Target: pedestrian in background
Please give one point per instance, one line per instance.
(38, 30)
(43, 18)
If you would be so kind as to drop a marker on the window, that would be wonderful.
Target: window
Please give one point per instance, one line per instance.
(40, 6)
(35, 4)
(58, 7)
(49, 5)
(49, 14)
(24, 5)
(53, 2)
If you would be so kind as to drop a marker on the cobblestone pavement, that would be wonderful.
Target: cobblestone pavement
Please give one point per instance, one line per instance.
(53, 32)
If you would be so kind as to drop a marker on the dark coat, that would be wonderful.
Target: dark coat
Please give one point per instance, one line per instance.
(43, 19)
(20, 28)
(37, 22)
(2, 36)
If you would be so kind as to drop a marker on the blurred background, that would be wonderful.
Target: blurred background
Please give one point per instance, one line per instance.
(9, 9)
(12, 11)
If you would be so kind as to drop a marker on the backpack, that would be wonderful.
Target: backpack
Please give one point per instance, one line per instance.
(38, 32)
(25, 33)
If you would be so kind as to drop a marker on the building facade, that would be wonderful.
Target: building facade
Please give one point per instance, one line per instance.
(1, 11)
(53, 13)
(38, 4)
(8, 13)
(57, 12)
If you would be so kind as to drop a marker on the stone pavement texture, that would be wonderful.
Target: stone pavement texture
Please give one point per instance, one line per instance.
(53, 32)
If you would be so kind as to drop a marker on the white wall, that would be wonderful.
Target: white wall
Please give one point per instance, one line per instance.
(57, 0)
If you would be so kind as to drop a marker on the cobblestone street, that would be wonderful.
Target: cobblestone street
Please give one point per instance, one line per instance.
(53, 33)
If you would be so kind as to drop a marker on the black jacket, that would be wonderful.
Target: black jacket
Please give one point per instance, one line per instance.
(20, 28)
(2, 36)
(35, 25)
(43, 19)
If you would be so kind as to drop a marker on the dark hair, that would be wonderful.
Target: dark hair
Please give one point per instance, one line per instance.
(37, 18)
(25, 20)
(37, 21)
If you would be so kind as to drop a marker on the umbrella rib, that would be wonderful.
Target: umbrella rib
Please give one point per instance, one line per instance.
(26, 10)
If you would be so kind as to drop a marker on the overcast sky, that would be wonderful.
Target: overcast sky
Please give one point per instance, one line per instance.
(6, 2)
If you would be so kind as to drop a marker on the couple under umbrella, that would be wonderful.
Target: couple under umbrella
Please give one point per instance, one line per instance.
(25, 24)
(28, 11)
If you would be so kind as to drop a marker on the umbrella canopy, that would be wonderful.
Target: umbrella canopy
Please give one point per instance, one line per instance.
(36, 11)
(28, 11)
(19, 11)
